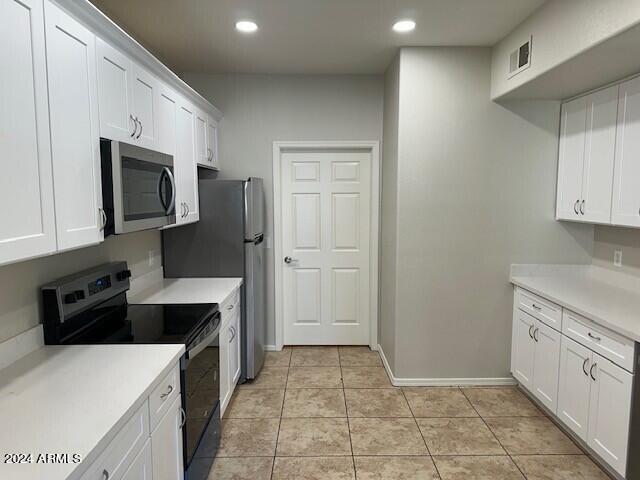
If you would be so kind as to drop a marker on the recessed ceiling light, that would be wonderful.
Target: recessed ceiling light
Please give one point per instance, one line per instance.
(246, 26)
(404, 26)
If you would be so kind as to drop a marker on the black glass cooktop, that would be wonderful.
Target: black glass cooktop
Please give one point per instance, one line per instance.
(117, 322)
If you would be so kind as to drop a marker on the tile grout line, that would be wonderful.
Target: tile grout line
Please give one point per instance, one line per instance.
(493, 433)
(346, 412)
(284, 396)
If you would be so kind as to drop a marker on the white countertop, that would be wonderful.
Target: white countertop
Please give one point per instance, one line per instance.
(609, 299)
(74, 399)
(187, 290)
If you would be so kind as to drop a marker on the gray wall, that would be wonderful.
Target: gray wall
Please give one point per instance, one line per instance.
(260, 109)
(608, 239)
(476, 192)
(389, 213)
(20, 282)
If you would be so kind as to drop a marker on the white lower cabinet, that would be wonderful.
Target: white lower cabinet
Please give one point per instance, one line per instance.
(609, 412)
(589, 393)
(141, 468)
(535, 357)
(230, 349)
(166, 445)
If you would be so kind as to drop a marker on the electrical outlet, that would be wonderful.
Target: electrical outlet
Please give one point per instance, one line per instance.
(617, 258)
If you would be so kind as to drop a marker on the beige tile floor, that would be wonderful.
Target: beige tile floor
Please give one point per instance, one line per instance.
(330, 413)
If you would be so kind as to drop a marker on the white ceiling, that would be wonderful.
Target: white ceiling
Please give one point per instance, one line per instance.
(307, 36)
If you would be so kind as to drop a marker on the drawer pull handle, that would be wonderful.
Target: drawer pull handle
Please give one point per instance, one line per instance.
(536, 307)
(591, 335)
(230, 307)
(530, 334)
(105, 475)
(167, 393)
(591, 371)
(584, 366)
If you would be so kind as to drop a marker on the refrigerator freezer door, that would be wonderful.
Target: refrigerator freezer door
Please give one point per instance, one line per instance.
(254, 313)
(254, 208)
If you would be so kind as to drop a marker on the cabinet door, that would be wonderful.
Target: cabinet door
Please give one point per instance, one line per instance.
(523, 356)
(547, 361)
(202, 149)
(166, 444)
(234, 354)
(225, 380)
(574, 386)
(166, 120)
(145, 98)
(609, 412)
(599, 155)
(212, 142)
(187, 209)
(573, 120)
(141, 468)
(114, 94)
(75, 137)
(27, 219)
(626, 178)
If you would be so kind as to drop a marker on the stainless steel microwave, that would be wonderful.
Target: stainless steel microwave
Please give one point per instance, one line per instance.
(138, 188)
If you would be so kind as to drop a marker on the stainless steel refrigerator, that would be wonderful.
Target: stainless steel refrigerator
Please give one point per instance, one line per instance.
(227, 242)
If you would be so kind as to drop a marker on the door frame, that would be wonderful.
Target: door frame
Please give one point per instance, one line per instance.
(367, 145)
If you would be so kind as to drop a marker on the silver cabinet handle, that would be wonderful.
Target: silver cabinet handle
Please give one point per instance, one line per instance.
(105, 475)
(135, 125)
(103, 218)
(182, 209)
(584, 366)
(233, 334)
(183, 414)
(591, 371)
(530, 334)
(535, 334)
(188, 209)
(536, 307)
(290, 260)
(167, 393)
(230, 307)
(575, 207)
(140, 132)
(582, 207)
(592, 336)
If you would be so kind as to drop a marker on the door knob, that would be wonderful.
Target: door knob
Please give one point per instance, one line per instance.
(288, 260)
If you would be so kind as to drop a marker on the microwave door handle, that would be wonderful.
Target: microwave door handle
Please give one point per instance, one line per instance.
(168, 209)
(160, 183)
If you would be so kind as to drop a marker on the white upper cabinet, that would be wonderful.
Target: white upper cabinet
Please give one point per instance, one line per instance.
(187, 210)
(75, 138)
(128, 99)
(166, 120)
(586, 155)
(117, 121)
(27, 219)
(573, 121)
(206, 140)
(597, 182)
(626, 185)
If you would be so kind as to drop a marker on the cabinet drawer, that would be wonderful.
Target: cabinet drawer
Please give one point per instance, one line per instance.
(544, 310)
(229, 306)
(123, 449)
(162, 397)
(610, 345)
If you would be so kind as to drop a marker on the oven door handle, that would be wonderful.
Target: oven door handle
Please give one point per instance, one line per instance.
(194, 350)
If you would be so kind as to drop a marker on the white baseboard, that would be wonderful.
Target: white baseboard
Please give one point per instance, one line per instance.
(270, 348)
(21, 345)
(442, 382)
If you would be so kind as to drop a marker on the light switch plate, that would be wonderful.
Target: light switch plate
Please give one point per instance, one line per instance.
(617, 258)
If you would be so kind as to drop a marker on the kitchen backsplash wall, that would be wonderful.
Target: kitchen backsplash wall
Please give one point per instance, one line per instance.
(609, 239)
(20, 282)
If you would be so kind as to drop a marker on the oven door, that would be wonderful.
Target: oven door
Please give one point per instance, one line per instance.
(201, 393)
(141, 187)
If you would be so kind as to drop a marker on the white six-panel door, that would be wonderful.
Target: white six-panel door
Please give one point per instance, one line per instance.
(75, 137)
(27, 219)
(326, 215)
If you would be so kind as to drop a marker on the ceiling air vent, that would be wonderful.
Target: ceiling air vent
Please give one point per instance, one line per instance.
(520, 59)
